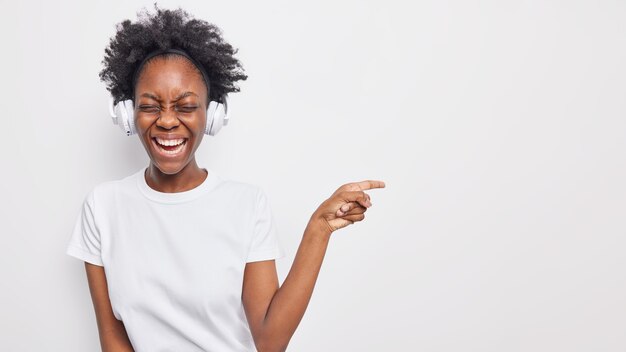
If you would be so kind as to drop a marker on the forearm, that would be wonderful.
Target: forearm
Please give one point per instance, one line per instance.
(115, 340)
(292, 298)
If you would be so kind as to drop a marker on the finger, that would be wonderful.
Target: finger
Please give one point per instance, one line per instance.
(349, 209)
(360, 186)
(356, 196)
(354, 217)
(369, 184)
(358, 209)
(345, 208)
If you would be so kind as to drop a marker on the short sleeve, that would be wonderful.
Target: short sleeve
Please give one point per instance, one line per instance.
(265, 244)
(85, 241)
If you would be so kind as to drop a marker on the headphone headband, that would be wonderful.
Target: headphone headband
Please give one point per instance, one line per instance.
(181, 52)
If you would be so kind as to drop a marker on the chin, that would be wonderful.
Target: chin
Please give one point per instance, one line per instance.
(169, 168)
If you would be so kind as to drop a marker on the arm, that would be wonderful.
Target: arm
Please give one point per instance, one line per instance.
(113, 337)
(275, 312)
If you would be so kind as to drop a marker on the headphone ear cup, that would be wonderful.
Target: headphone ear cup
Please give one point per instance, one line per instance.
(130, 113)
(120, 111)
(113, 110)
(210, 117)
(125, 117)
(226, 113)
(218, 119)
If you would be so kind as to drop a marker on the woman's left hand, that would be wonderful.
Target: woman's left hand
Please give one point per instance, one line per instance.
(345, 206)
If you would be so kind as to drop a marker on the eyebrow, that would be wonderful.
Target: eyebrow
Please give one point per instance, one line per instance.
(180, 96)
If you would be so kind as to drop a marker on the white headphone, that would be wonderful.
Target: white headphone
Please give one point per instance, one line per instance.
(123, 115)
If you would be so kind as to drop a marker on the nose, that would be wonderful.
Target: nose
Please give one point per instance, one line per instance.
(168, 119)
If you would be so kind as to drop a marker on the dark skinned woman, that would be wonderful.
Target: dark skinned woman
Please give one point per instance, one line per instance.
(179, 258)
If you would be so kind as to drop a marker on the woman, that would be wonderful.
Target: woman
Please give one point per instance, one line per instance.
(177, 257)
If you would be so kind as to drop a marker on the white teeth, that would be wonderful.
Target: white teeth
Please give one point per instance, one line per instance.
(169, 142)
(171, 152)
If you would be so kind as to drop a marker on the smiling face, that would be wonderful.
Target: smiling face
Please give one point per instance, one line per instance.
(170, 108)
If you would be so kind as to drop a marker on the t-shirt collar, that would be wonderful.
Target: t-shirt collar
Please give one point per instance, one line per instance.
(208, 184)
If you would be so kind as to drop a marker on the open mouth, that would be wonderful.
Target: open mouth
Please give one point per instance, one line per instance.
(171, 148)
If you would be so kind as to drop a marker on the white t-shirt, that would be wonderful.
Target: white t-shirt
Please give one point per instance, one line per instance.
(174, 262)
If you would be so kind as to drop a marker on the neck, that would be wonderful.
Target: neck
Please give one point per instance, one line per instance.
(189, 177)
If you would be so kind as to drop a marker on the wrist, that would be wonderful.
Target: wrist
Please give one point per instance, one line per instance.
(319, 227)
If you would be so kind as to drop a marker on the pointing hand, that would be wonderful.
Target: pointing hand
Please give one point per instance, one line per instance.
(345, 206)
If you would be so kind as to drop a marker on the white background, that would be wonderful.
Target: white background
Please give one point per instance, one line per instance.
(498, 127)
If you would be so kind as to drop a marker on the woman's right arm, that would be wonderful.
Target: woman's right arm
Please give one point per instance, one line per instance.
(113, 337)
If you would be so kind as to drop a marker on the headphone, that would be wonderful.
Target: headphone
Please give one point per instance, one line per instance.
(123, 113)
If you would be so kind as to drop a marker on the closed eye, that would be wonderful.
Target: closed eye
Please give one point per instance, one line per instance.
(149, 108)
(188, 108)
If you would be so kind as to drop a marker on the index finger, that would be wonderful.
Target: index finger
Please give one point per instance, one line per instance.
(369, 184)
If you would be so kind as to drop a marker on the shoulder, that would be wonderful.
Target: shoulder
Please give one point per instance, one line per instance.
(240, 188)
(245, 197)
(109, 190)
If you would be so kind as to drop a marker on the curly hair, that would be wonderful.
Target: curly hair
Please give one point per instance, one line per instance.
(167, 29)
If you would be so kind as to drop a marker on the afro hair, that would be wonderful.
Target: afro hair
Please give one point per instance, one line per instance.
(167, 29)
